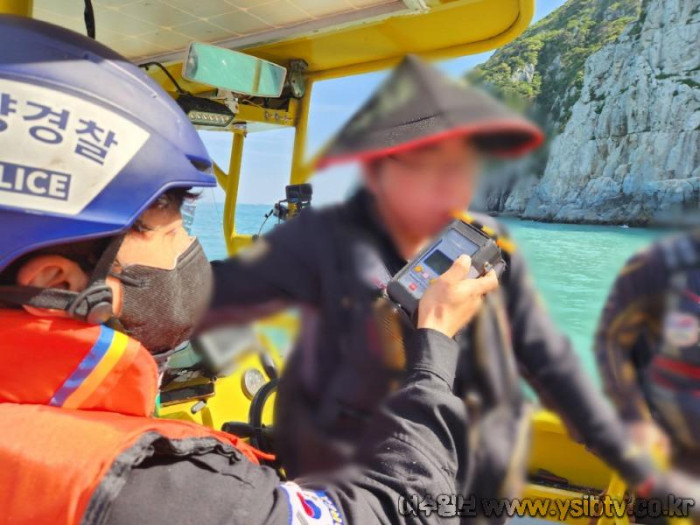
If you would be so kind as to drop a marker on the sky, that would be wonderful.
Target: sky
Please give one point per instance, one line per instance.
(267, 155)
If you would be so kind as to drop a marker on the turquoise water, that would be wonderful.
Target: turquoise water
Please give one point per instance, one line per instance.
(573, 266)
(208, 227)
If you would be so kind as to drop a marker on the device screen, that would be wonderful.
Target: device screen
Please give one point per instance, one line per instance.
(438, 262)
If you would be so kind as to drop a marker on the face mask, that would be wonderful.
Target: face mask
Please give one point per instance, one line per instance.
(161, 308)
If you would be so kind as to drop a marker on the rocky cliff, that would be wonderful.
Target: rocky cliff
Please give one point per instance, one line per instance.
(624, 129)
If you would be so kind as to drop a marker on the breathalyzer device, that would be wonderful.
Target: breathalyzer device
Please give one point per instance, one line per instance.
(460, 238)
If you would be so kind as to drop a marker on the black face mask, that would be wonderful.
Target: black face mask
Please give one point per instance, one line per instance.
(161, 308)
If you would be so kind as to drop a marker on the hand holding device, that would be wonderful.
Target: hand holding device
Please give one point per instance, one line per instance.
(452, 300)
(460, 238)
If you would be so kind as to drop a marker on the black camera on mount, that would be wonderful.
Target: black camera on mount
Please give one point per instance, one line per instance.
(298, 198)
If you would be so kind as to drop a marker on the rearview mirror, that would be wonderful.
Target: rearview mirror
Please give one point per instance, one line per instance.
(234, 71)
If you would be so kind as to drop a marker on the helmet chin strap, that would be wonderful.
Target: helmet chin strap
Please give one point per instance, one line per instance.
(92, 305)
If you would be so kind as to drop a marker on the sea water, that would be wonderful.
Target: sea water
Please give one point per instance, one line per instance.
(573, 266)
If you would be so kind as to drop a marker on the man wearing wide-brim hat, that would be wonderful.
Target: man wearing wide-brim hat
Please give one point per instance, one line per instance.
(420, 140)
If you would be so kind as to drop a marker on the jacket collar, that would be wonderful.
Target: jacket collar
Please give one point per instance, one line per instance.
(69, 364)
(363, 214)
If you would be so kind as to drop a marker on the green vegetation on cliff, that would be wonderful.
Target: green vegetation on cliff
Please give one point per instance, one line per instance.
(542, 70)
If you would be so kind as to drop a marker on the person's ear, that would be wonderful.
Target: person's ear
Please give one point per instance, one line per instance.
(52, 271)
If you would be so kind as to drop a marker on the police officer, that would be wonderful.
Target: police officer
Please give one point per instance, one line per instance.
(98, 276)
(420, 139)
(647, 347)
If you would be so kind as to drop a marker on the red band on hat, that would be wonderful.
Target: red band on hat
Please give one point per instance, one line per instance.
(493, 127)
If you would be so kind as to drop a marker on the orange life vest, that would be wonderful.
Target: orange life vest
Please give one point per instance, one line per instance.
(75, 407)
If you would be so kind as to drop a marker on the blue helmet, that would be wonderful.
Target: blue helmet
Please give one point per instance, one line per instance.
(87, 140)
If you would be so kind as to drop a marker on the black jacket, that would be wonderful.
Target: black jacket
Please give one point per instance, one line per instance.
(335, 378)
(416, 446)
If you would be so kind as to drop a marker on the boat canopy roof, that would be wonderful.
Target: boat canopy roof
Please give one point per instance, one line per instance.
(334, 37)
